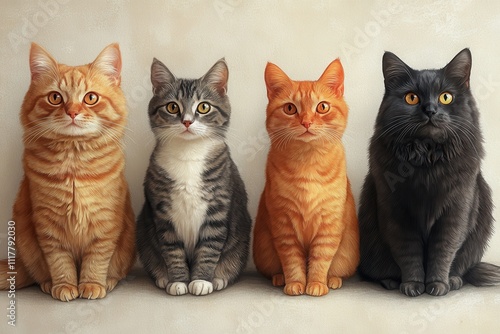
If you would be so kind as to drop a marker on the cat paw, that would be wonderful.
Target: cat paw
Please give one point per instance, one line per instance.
(294, 289)
(219, 283)
(200, 287)
(91, 291)
(412, 289)
(111, 283)
(46, 287)
(334, 282)
(456, 282)
(316, 289)
(64, 292)
(437, 288)
(390, 284)
(176, 288)
(161, 282)
(278, 280)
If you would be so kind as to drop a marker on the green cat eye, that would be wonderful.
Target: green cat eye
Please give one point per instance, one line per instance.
(412, 98)
(203, 108)
(289, 108)
(445, 98)
(172, 108)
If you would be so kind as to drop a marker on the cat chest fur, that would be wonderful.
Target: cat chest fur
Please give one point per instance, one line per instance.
(185, 164)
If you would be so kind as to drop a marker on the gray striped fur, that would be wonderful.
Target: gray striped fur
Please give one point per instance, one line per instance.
(192, 173)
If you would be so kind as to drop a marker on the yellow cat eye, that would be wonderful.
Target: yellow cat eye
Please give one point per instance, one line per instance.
(91, 98)
(412, 98)
(173, 108)
(445, 98)
(289, 108)
(203, 108)
(323, 107)
(55, 98)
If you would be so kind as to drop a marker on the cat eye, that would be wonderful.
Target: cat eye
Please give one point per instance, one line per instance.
(412, 98)
(172, 108)
(445, 98)
(55, 98)
(203, 108)
(91, 98)
(323, 107)
(289, 108)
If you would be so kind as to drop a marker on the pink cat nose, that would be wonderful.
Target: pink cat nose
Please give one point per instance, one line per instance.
(187, 123)
(72, 113)
(306, 124)
(72, 109)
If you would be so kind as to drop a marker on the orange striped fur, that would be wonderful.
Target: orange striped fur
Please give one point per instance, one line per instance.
(74, 222)
(306, 233)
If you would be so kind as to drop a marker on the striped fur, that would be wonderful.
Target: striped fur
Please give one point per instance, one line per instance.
(194, 229)
(306, 232)
(74, 220)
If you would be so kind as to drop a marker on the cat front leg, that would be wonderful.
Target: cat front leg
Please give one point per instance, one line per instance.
(446, 238)
(174, 256)
(63, 285)
(292, 257)
(60, 262)
(212, 239)
(407, 250)
(319, 260)
(95, 266)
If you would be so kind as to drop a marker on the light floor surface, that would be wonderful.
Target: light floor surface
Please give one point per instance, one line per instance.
(252, 305)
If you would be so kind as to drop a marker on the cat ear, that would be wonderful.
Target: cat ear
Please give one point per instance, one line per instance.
(460, 67)
(333, 77)
(217, 76)
(276, 80)
(394, 68)
(41, 63)
(109, 62)
(160, 75)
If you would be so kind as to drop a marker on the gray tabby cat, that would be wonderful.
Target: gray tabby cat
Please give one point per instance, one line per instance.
(194, 230)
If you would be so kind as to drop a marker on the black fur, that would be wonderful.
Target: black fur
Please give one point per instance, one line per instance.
(425, 210)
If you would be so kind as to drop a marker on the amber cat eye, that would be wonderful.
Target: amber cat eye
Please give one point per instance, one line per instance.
(289, 108)
(412, 98)
(91, 98)
(172, 108)
(203, 108)
(55, 98)
(323, 107)
(445, 98)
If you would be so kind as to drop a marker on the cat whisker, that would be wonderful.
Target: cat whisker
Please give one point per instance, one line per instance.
(394, 125)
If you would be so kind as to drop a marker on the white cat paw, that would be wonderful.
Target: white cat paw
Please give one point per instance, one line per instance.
(219, 283)
(161, 283)
(177, 288)
(200, 287)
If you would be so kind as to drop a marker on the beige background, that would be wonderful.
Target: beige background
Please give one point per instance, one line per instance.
(302, 37)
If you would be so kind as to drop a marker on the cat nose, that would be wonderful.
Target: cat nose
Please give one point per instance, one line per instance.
(430, 110)
(306, 124)
(187, 123)
(72, 113)
(72, 110)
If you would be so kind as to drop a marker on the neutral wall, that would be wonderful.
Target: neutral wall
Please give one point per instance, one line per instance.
(302, 37)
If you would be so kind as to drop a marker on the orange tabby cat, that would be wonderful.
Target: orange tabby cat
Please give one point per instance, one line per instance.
(306, 233)
(74, 221)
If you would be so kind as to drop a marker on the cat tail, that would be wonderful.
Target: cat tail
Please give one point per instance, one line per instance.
(18, 275)
(483, 274)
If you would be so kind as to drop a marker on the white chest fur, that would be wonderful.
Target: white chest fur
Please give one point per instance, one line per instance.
(185, 162)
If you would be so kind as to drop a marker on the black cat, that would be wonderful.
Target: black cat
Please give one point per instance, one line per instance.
(426, 211)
